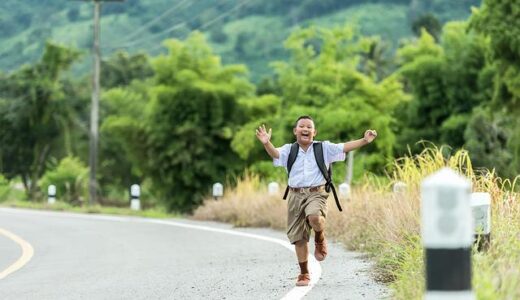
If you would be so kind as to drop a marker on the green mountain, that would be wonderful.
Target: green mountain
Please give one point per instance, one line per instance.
(241, 31)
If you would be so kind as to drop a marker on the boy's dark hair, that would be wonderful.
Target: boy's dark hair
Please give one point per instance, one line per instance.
(302, 117)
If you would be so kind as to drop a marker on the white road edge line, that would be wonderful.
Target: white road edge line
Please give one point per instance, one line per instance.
(295, 293)
(27, 253)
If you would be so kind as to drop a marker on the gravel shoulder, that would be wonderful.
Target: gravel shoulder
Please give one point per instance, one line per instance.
(346, 275)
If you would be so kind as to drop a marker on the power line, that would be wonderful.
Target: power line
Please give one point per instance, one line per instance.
(148, 24)
(148, 37)
(225, 14)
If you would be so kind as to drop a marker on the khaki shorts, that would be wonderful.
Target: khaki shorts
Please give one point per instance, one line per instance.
(300, 205)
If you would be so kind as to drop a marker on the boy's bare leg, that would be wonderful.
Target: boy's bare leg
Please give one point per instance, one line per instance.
(302, 250)
(318, 224)
(302, 253)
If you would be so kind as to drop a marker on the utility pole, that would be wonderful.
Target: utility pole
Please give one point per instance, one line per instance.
(94, 110)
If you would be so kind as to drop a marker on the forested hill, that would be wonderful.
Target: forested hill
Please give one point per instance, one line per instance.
(241, 31)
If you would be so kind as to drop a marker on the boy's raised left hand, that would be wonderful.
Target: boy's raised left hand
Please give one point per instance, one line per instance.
(370, 135)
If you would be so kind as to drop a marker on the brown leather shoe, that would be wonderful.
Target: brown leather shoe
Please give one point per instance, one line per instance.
(303, 279)
(320, 251)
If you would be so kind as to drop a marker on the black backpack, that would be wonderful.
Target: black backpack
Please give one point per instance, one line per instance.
(327, 173)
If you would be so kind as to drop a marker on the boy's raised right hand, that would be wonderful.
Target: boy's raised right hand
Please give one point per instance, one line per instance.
(263, 135)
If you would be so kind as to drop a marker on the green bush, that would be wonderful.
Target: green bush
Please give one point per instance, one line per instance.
(70, 178)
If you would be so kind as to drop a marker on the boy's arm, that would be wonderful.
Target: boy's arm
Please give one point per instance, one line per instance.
(370, 135)
(264, 137)
(271, 150)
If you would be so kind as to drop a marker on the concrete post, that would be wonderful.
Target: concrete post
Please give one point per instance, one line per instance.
(447, 235)
(218, 190)
(344, 190)
(273, 188)
(481, 209)
(399, 187)
(51, 194)
(135, 193)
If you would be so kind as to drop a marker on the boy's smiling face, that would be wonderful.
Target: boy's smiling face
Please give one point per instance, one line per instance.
(305, 132)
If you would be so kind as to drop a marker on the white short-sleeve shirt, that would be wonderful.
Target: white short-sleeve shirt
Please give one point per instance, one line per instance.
(305, 171)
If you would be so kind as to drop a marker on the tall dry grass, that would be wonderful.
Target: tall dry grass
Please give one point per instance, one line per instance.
(386, 225)
(245, 205)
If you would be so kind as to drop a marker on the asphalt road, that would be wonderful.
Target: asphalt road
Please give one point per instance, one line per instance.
(104, 257)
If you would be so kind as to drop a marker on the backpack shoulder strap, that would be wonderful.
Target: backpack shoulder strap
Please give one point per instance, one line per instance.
(290, 162)
(292, 157)
(320, 160)
(327, 173)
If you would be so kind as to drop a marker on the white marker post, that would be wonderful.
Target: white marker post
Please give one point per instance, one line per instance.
(51, 194)
(273, 188)
(481, 209)
(399, 187)
(344, 190)
(218, 190)
(135, 192)
(447, 235)
(350, 167)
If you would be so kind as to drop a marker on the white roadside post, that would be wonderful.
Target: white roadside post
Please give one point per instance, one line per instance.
(350, 167)
(51, 194)
(218, 190)
(344, 191)
(135, 192)
(447, 235)
(399, 187)
(481, 209)
(273, 188)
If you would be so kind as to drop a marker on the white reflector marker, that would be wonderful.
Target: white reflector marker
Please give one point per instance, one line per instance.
(218, 190)
(481, 209)
(447, 235)
(51, 194)
(399, 187)
(135, 193)
(344, 191)
(273, 188)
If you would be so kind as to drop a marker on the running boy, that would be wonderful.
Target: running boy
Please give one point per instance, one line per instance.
(307, 202)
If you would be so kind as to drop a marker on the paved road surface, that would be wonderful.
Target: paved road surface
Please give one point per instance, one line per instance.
(102, 257)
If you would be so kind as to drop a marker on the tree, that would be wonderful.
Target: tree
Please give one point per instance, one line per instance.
(123, 135)
(29, 115)
(191, 120)
(487, 140)
(322, 80)
(448, 82)
(499, 20)
(428, 22)
(122, 68)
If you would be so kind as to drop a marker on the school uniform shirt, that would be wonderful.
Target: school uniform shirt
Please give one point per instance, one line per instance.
(305, 171)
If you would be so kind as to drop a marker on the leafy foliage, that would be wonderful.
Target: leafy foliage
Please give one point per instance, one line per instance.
(30, 114)
(70, 178)
(447, 83)
(500, 22)
(123, 136)
(122, 68)
(321, 80)
(191, 119)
